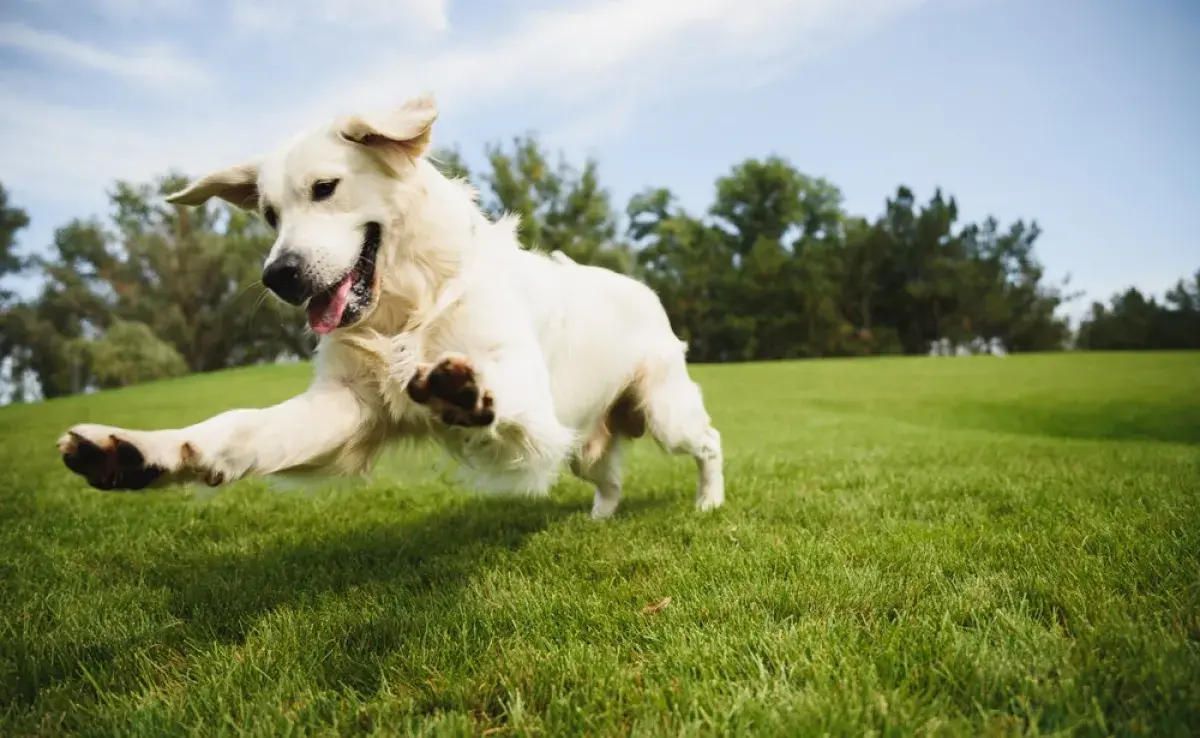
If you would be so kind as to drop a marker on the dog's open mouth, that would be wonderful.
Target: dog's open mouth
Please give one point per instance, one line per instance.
(347, 300)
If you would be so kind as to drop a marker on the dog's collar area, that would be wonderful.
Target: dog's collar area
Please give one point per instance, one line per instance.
(402, 352)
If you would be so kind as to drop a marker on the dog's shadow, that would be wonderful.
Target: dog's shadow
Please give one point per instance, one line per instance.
(370, 590)
(388, 581)
(224, 593)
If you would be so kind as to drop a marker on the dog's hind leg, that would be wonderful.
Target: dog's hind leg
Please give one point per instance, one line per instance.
(605, 473)
(676, 417)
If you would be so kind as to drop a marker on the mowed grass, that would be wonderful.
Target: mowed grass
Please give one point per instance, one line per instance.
(969, 546)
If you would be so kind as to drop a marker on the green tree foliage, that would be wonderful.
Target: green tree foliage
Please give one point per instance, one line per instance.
(775, 268)
(778, 269)
(129, 353)
(12, 220)
(1134, 322)
(561, 208)
(189, 277)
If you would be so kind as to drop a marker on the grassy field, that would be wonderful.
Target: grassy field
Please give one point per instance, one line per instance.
(910, 546)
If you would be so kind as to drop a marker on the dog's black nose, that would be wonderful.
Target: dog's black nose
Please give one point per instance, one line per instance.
(285, 277)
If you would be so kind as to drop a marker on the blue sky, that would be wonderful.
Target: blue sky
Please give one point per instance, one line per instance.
(1081, 114)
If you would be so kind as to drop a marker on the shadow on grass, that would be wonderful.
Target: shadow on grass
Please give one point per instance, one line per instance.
(421, 564)
(1143, 422)
(1104, 421)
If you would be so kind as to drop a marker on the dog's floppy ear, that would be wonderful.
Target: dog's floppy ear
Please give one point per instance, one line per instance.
(406, 129)
(236, 185)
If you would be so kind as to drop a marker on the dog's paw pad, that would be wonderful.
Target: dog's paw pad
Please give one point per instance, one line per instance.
(452, 386)
(108, 463)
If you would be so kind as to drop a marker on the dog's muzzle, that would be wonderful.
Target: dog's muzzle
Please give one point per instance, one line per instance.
(287, 277)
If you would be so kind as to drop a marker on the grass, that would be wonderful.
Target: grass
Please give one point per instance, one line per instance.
(910, 547)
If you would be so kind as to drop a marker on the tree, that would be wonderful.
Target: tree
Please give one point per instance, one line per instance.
(13, 384)
(450, 161)
(12, 221)
(560, 207)
(128, 353)
(194, 276)
(867, 254)
(1134, 322)
(689, 264)
(780, 270)
(188, 277)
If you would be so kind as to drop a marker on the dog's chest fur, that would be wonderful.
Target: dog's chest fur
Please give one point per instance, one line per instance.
(391, 362)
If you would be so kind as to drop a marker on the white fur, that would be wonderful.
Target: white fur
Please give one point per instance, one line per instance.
(555, 342)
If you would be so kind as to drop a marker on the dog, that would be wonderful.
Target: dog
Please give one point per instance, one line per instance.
(433, 322)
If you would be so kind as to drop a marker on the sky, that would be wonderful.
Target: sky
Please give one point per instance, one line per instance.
(1079, 114)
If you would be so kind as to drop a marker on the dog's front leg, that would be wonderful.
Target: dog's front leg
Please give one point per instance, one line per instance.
(453, 390)
(506, 391)
(311, 429)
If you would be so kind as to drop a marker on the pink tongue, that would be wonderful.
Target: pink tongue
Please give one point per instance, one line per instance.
(325, 310)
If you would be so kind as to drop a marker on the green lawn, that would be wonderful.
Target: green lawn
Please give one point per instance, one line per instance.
(910, 546)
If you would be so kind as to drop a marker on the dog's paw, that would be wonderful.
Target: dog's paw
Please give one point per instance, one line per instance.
(108, 458)
(401, 359)
(451, 389)
(118, 459)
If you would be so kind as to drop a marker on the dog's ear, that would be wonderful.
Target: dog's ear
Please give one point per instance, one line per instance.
(236, 185)
(406, 130)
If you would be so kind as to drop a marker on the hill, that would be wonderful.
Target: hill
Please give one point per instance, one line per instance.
(934, 546)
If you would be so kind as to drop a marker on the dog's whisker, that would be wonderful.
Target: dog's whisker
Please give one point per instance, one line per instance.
(248, 287)
(258, 302)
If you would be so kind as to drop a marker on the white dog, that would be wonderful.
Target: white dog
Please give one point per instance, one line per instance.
(433, 322)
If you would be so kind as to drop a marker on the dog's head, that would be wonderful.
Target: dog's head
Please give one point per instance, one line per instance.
(330, 196)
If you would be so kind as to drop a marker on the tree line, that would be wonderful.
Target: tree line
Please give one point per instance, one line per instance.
(1134, 322)
(776, 268)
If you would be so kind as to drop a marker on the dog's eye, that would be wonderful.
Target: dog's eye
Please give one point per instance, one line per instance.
(271, 217)
(324, 189)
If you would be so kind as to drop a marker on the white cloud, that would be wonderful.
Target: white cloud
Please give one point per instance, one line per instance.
(279, 18)
(58, 154)
(420, 14)
(143, 8)
(584, 132)
(593, 62)
(156, 65)
(581, 50)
